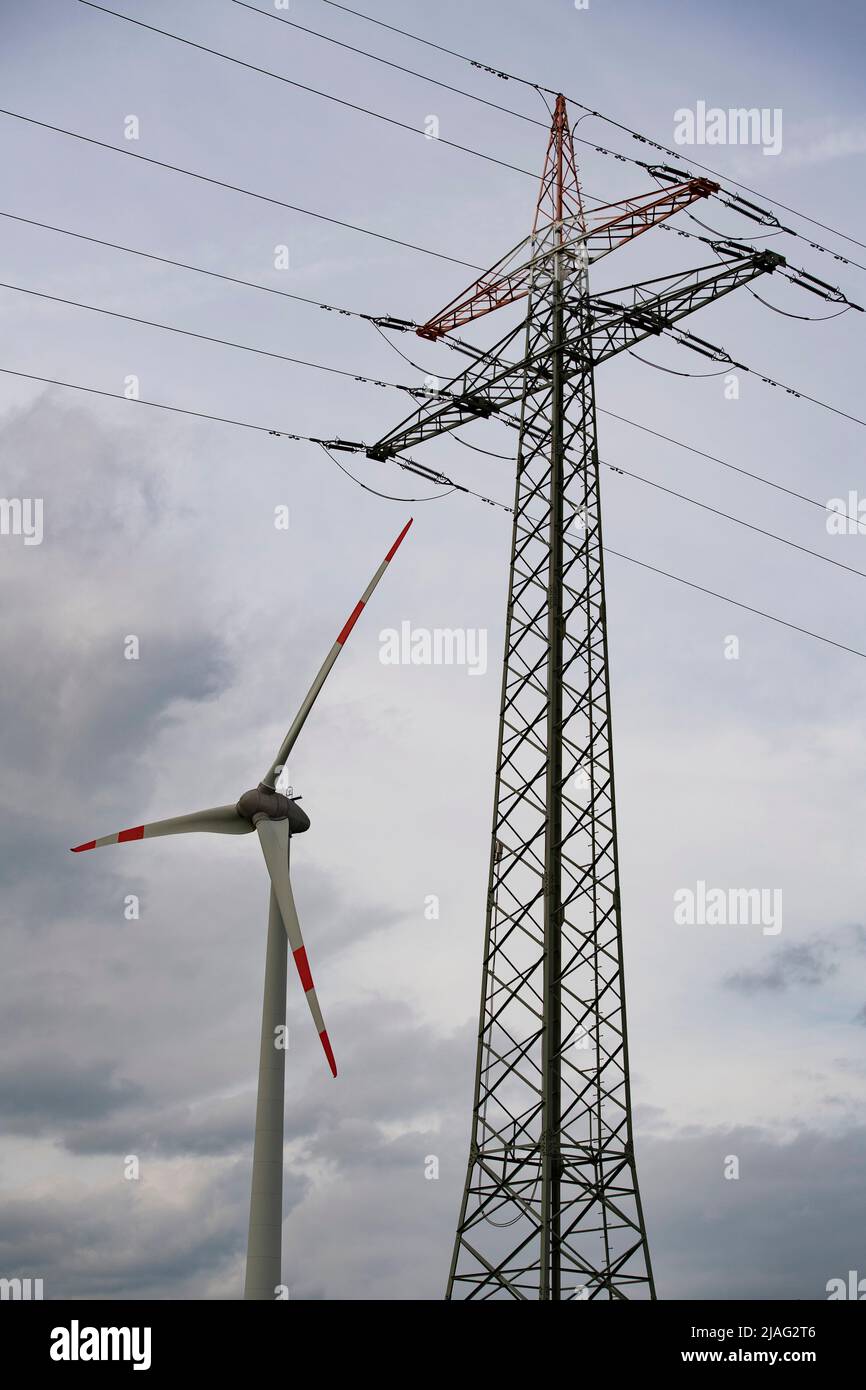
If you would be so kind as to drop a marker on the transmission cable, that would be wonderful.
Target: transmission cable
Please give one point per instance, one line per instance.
(221, 342)
(386, 496)
(504, 418)
(713, 458)
(386, 320)
(398, 67)
(706, 349)
(303, 87)
(739, 521)
(770, 617)
(803, 318)
(235, 188)
(671, 371)
(410, 466)
(618, 125)
(214, 274)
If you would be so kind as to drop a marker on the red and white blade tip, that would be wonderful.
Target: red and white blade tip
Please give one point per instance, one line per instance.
(306, 977)
(328, 1052)
(395, 547)
(122, 836)
(359, 606)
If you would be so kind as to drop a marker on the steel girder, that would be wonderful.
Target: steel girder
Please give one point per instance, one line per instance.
(491, 383)
(551, 1206)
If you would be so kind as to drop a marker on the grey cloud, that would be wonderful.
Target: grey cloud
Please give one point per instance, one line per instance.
(808, 963)
(41, 1093)
(212, 1127)
(123, 1239)
(793, 1220)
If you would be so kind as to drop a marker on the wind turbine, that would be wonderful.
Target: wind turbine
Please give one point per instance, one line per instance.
(275, 819)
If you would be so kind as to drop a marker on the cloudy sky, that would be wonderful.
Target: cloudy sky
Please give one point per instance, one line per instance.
(140, 1036)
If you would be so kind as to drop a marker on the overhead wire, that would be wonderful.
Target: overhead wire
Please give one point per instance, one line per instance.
(389, 63)
(378, 321)
(412, 466)
(236, 188)
(455, 346)
(705, 349)
(211, 338)
(386, 496)
(609, 120)
(319, 366)
(770, 617)
(304, 87)
(197, 269)
(714, 458)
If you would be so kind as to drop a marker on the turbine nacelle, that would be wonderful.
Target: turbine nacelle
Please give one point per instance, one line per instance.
(263, 801)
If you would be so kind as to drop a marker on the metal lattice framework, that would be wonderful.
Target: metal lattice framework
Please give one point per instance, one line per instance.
(551, 1208)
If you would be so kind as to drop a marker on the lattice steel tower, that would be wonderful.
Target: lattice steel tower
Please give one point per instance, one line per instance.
(551, 1208)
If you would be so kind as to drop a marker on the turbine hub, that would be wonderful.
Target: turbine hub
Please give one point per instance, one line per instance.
(264, 801)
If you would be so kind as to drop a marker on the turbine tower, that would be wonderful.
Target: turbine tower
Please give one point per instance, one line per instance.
(551, 1208)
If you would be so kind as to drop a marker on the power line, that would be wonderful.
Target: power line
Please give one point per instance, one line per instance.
(717, 239)
(159, 405)
(399, 67)
(739, 521)
(692, 449)
(733, 467)
(422, 472)
(280, 77)
(770, 617)
(440, 48)
(406, 464)
(738, 205)
(618, 125)
(303, 87)
(324, 367)
(704, 506)
(384, 320)
(330, 444)
(717, 354)
(213, 274)
(714, 458)
(385, 496)
(221, 342)
(390, 385)
(235, 188)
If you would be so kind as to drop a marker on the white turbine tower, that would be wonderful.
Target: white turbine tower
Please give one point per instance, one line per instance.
(275, 818)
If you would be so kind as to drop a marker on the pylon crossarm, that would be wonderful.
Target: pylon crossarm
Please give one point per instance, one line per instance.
(491, 383)
(615, 224)
(463, 398)
(618, 326)
(501, 284)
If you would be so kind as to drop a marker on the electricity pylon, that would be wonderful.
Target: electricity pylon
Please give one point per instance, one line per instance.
(551, 1208)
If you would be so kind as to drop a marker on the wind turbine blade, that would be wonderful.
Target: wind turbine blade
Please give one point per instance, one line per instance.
(309, 700)
(219, 820)
(274, 840)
